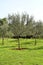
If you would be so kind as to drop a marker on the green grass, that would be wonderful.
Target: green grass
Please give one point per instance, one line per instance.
(31, 56)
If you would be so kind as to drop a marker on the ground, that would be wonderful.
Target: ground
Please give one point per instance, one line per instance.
(31, 56)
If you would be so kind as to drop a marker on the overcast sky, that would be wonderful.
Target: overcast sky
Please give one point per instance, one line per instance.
(32, 7)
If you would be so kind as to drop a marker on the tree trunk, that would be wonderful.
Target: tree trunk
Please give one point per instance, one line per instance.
(18, 44)
(35, 40)
(3, 40)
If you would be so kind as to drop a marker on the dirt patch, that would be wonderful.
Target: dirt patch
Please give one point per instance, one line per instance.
(19, 48)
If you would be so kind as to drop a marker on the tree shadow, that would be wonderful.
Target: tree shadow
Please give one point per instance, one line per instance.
(22, 48)
(7, 46)
(26, 43)
(37, 48)
(13, 40)
(35, 64)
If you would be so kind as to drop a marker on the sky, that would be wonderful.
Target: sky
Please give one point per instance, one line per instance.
(32, 7)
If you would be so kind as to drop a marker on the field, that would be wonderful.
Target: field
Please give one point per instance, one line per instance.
(33, 55)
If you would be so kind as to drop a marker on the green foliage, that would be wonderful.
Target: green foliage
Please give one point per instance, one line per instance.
(25, 26)
(3, 29)
(21, 25)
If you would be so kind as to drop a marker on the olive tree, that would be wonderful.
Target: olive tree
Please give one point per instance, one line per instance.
(3, 28)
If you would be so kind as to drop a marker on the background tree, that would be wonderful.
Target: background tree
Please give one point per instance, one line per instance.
(3, 29)
(29, 26)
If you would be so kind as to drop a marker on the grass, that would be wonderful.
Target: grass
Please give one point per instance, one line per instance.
(31, 56)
